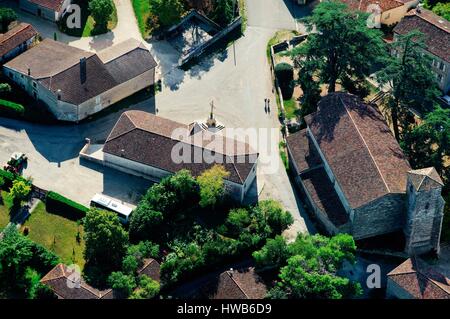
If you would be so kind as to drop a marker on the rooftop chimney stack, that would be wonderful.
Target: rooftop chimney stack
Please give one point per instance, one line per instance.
(29, 71)
(83, 70)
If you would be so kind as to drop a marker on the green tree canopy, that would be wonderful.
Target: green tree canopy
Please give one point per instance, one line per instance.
(429, 143)
(122, 284)
(309, 266)
(223, 12)
(106, 240)
(168, 11)
(412, 82)
(19, 191)
(101, 11)
(147, 288)
(212, 187)
(342, 44)
(7, 16)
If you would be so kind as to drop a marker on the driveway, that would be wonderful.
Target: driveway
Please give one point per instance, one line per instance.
(238, 80)
(126, 28)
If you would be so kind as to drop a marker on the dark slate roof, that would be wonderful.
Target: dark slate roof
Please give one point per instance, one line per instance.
(235, 284)
(420, 280)
(76, 91)
(54, 5)
(127, 60)
(435, 29)
(47, 59)
(359, 147)
(151, 268)
(145, 138)
(15, 37)
(303, 151)
(65, 286)
(324, 196)
(57, 67)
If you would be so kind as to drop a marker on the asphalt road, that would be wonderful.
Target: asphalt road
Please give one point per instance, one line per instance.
(238, 80)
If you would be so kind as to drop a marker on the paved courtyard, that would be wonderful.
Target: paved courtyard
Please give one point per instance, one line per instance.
(237, 79)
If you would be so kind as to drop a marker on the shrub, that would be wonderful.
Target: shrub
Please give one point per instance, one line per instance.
(285, 75)
(11, 107)
(58, 204)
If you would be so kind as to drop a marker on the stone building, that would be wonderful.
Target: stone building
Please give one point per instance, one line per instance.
(355, 178)
(385, 12)
(74, 83)
(153, 147)
(436, 31)
(51, 10)
(18, 39)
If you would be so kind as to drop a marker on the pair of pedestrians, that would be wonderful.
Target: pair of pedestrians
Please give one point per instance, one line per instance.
(267, 106)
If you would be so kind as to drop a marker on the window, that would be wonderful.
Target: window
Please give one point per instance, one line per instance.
(442, 66)
(34, 84)
(439, 77)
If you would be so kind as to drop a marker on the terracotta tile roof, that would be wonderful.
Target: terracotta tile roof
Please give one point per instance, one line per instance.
(15, 37)
(435, 29)
(303, 151)
(322, 192)
(66, 286)
(152, 269)
(235, 284)
(145, 138)
(54, 5)
(57, 66)
(420, 280)
(385, 5)
(359, 147)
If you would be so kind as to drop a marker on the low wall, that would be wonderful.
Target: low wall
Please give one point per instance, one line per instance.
(203, 47)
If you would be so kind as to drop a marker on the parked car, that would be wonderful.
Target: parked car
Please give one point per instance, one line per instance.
(445, 100)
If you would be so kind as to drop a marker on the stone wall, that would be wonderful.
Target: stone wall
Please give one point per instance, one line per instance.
(383, 215)
(424, 220)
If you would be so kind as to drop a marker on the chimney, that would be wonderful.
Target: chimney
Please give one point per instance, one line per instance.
(418, 10)
(29, 71)
(83, 70)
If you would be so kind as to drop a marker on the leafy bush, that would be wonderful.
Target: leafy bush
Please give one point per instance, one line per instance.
(58, 204)
(18, 254)
(12, 107)
(285, 75)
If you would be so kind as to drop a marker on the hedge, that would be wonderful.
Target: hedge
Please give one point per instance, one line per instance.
(13, 107)
(9, 177)
(60, 205)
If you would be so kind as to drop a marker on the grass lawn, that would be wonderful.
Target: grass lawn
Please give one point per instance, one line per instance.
(291, 108)
(142, 12)
(4, 210)
(57, 234)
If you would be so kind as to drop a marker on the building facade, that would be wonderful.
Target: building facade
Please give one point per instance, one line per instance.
(75, 84)
(17, 40)
(384, 12)
(51, 10)
(436, 32)
(143, 144)
(355, 179)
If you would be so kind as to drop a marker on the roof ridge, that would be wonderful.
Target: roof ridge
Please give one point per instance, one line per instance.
(237, 284)
(123, 133)
(20, 27)
(365, 143)
(423, 17)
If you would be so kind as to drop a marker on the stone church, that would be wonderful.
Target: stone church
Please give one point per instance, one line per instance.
(355, 178)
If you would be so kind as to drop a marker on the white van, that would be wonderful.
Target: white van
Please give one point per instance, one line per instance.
(106, 203)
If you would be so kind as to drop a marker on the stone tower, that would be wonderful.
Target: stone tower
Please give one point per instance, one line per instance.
(425, 211)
